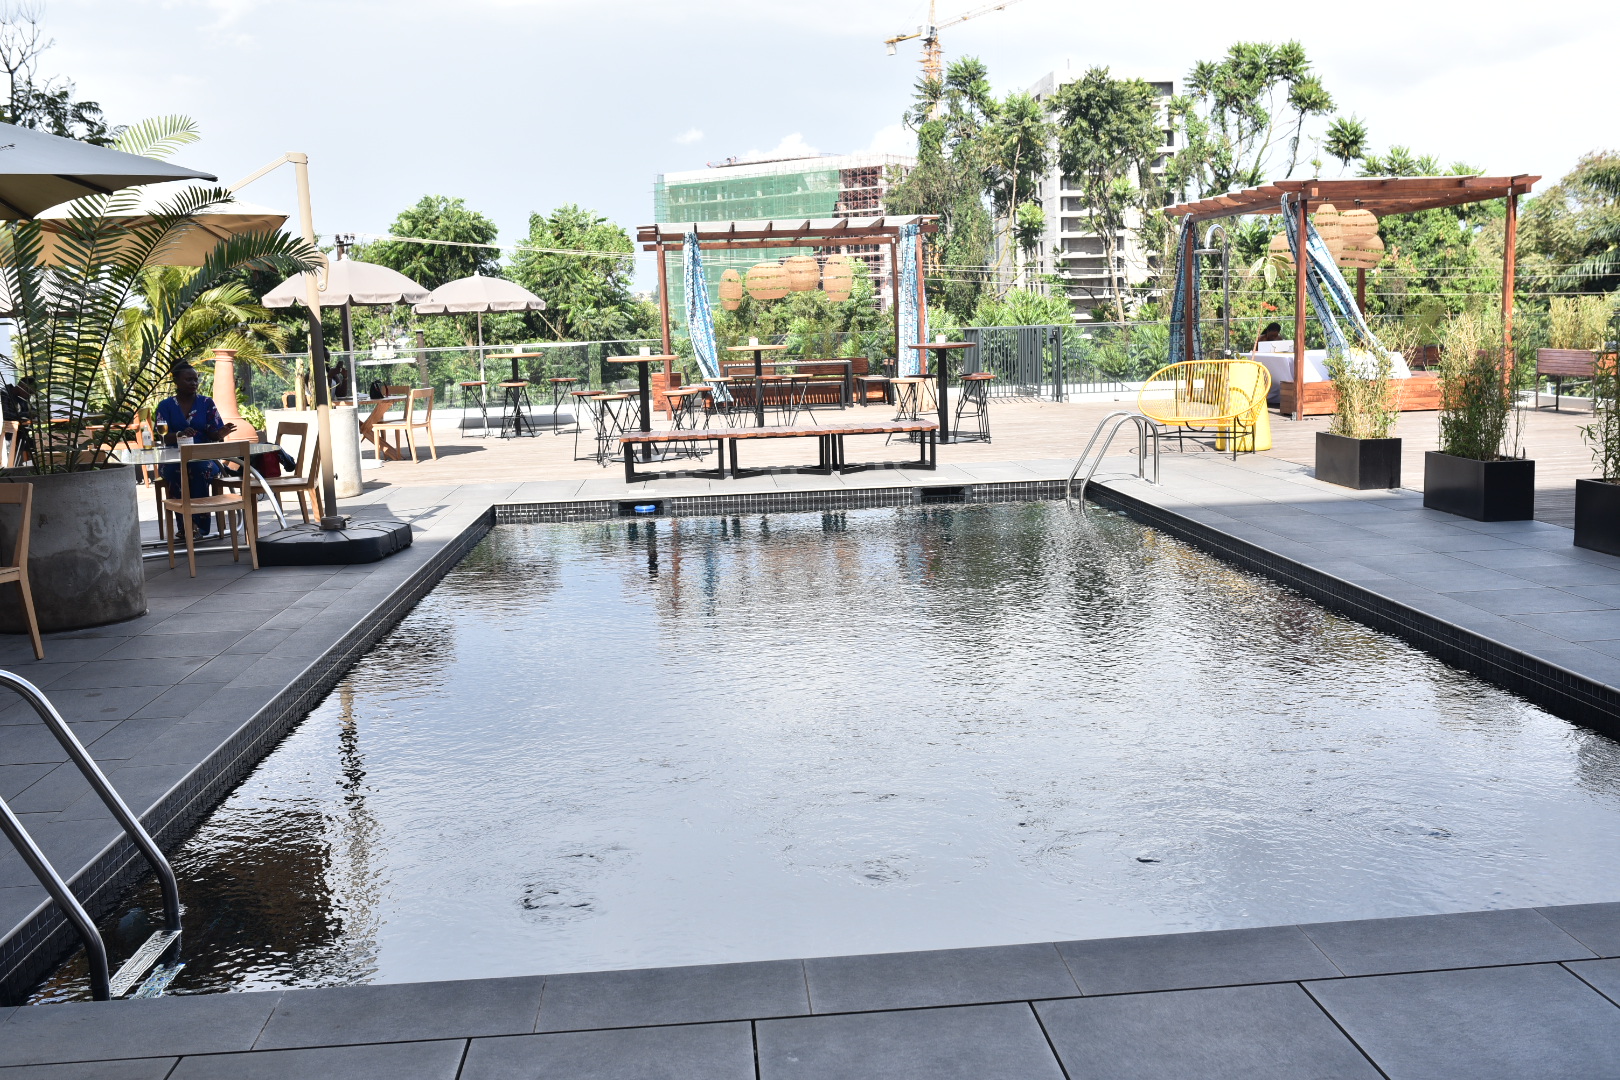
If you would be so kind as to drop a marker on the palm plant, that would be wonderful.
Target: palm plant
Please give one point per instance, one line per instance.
(91, 377)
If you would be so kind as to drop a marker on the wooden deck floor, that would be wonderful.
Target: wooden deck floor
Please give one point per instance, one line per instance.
(1022, 431)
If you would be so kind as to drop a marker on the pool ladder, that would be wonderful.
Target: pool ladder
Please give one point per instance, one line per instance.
(1147, 430)
(160, 953)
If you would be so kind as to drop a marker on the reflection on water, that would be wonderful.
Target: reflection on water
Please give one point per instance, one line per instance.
(690, 741)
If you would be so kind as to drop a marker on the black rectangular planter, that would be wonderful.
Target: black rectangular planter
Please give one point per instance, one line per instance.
(1362, 464)
(1482, 490)
(1597, 516)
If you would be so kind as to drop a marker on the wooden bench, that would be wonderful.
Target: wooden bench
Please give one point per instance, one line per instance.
(829, 438)
(1561, 364)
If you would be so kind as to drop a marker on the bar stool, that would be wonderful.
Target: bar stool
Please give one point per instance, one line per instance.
(686, 409)
(973, 406)
(778, 391)
(584, 405)
(483, 405)
(720, 401)
(868, 383)
(612, 420)
(908, 394)
(558, 386)
(515, 408)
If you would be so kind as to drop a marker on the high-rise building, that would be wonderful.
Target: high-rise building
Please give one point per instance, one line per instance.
(1070, 247)
(823, 186)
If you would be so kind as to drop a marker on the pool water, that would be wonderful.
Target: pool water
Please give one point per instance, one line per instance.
(642, 743)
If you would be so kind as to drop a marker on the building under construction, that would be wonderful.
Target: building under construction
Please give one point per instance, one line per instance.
(824, 186)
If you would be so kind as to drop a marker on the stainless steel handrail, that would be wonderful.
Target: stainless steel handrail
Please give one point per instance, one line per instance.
(1146, 429)
(160, 943)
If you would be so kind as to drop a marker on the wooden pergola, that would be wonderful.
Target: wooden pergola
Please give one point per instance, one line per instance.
(1382, 196)
(801, 232)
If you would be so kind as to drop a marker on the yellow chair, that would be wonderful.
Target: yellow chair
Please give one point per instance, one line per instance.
(1226, 397)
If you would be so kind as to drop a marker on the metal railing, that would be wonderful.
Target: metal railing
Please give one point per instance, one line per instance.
(165, 942)
(1147, 430)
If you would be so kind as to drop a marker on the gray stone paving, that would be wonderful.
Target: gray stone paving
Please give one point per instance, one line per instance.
(1475, 996)
(164, 701)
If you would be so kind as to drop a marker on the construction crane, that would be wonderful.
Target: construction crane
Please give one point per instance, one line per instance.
(932, 61)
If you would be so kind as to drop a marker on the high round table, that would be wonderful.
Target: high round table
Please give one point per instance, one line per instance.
(943, 349)
(759, 376)
(644, 384)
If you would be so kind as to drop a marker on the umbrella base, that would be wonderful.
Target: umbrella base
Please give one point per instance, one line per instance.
(311, 545)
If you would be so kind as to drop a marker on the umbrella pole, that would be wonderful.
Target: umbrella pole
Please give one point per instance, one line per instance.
(330, 519)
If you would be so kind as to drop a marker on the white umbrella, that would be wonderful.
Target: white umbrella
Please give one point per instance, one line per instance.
(476, 295)
(346, 282)
(190, 245)
(349, 281)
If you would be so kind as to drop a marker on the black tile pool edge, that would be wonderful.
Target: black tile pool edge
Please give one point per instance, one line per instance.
(38, 946)
(1564, 693)
(40, 943)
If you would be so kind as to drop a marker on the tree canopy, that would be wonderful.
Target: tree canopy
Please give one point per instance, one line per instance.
(436, 217)
(588, 295)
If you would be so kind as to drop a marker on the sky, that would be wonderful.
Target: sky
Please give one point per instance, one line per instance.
(519, 106)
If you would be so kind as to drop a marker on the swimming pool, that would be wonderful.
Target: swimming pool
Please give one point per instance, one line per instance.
(699, 740)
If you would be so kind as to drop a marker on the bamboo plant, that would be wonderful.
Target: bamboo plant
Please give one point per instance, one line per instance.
(1361, 381)
(1478, 381)
(1603, 433)
(90, 383)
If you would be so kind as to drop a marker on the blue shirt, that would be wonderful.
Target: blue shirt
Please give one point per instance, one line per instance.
(203, 417)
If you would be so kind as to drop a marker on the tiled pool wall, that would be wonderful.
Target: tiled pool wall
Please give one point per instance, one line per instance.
(39, 945)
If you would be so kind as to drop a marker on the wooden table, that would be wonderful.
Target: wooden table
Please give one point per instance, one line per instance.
(943, 349)
(644, 387)
(170, 455)
(380, 409)
(759, 376)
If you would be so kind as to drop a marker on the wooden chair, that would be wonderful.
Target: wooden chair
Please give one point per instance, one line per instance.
(408, 425)
(305, 479)
(22, 496)
(228, 503)
(10, 441)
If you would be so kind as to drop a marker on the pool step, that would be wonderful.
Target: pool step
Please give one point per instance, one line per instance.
(142, 961)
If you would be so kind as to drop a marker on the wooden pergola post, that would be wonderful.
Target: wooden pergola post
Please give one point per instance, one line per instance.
(1510, 240)
(663, 296)
(1301, 262)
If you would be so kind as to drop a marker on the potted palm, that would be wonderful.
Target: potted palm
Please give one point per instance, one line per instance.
(1479, 471)
(1597, 502)
(91, 379)
(1356, 451)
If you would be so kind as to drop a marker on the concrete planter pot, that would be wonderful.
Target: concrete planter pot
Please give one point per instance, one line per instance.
(84, 553)
(1362, 464)
(1597, 516)
(1483, 490)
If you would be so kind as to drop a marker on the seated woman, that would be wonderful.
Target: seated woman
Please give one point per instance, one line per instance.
(191, 415)
(1272, 332)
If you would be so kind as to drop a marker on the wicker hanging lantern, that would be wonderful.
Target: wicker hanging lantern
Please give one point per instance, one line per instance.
(802, 272)
(1329, 227)
(767, 281)
(731, 290)
(1363, 253)
(837, 277)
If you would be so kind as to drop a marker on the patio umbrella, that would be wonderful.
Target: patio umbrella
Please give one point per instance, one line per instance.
(476, 295)
(192, 243)
(348, 282)
(39, 171)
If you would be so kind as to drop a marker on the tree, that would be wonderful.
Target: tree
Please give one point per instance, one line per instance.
(1233, 121)
(588, 295)
(43, 103)
(1019, 155)
(436, 217)
(951, 118)
(1346, 140)
(1570, 233)
(1108, 139)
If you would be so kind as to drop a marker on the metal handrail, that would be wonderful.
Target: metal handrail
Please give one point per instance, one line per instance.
(164, 941)
(1146, 428)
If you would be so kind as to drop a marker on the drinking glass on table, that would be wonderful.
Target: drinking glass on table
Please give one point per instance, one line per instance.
(161, 431)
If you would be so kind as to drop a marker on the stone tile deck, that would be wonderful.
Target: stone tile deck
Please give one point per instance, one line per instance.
(179, 704)
(1478, 996)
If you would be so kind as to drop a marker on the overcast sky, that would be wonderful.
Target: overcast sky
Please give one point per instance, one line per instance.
(520, 105)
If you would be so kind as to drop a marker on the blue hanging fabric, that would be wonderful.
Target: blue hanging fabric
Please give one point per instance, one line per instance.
(913, 322)
(1331, 296)
(699, 321)
(1184, 302)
